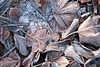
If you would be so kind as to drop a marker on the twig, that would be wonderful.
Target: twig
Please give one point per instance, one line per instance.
(8, 52)
(4, 11)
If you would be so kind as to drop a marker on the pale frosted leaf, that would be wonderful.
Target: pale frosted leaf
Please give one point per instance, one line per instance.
(37, 39)
(82, 51)
(62, 3)
(62, 62)
(88, 32)
(97, 52)
(72, 28)
(62, 10)
(21, 44)
(56, 46)
(71, 7)
(71, 53)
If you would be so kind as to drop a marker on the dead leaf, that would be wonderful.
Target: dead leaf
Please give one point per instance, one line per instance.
(4, 34)
(56, 47)
(71, 53)
(74, 64)
(89, 31)
(37, 39)
(55, 36)
(55, 26)
(21, 44)
(11, 61)
(82, 51)
(27, 61)
(46, 64)
(71, 28)
(53, 55)
(64, 12)
(97, 52)
(15, 13)
(62, 62)
(84, 1)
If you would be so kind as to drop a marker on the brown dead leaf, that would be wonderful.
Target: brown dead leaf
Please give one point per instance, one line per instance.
(89, 31)
(11, 61)
(62, 62)
(21, 44)
(27, 61)
(69, 51)
(15, 13)
(64, 12)
(84, 1)
(53, 55)
(37, 39)
(55, 26)
(4, 34)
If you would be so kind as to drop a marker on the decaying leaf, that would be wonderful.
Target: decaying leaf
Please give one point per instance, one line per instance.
(11, 61)
(64, 12)
(27, 61)
(62, 62)
(56, 46)
(53, 55)
(82, 51)
(37, 39)
(84, 1)
(4, 34)
(72, 28)
(74, 64)
(21, 44)
(46, 64)
(15, 13)
(89, 31)
(71, 53)
(97, 52)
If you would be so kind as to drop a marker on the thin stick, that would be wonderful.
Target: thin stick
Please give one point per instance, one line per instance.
(4, 11)
(8, 52)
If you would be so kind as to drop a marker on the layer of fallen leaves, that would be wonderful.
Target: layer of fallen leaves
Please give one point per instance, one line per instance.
(49, 33)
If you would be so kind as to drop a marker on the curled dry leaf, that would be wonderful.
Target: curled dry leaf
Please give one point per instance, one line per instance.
(89, 31)
(97, 52)
(21, 44)
(37, 39)
(72, 28)
(74, 64)
(84, 1)
(82, 51)
(11, 61)
(62, 62)
(15, 13)
(27, 61)
(53, 55)
(4, 34)
(64, 12)
(71, 53)
(56, 47)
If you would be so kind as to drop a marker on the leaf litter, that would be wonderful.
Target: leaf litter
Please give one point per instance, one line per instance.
(49, 33)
